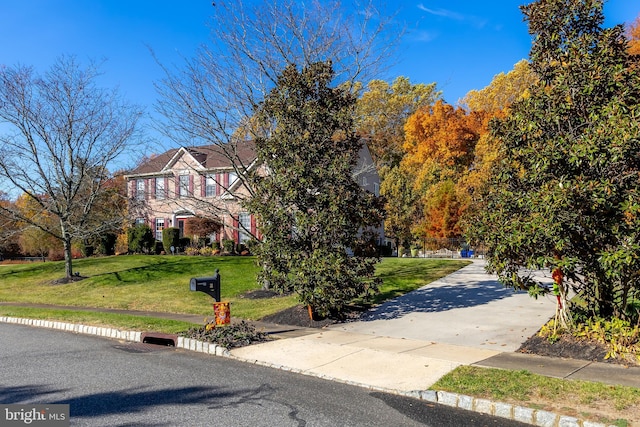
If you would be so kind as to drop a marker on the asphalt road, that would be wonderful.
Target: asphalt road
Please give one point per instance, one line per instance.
(111, 383)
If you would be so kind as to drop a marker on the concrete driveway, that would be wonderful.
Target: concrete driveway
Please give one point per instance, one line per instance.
(410, 342)
(468, 308)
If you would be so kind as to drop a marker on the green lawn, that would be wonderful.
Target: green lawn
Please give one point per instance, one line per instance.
(604, 403)
(161, 283)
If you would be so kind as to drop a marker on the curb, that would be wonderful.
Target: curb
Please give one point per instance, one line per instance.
(536, 417)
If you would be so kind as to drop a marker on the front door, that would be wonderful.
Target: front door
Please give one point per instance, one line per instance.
(181, 227)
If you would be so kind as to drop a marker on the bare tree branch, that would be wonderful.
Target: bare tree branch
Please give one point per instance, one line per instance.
(64, 132)
(212, 99)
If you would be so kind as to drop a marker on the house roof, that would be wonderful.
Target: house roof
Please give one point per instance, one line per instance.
(208, 156)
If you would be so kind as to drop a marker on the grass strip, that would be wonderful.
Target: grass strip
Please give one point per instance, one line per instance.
(92, 318)
(541, 392)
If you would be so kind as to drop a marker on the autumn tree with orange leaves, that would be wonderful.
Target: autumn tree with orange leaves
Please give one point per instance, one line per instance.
(494, 102)
(382, 111)
(439, 145)
(633, 36)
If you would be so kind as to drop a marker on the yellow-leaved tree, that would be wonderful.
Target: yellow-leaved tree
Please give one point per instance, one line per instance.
(493, 102)
(440, 142)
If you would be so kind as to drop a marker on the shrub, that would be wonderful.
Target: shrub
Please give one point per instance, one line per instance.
(140, 239)
(230, 336)
(184, 243)
(87, 250)
(170, 237)
(206, 251)
(107, 245)
(251, 245)
(621, 338)
(56, 254)
(122, 244)
(159, 248)
(385, 250)
(228, 246)
(192, 251)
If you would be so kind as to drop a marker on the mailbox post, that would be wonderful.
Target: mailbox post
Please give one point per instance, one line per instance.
(211, 287)
(208, 285)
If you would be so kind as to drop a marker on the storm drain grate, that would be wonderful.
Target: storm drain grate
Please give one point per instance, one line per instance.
(167, 340)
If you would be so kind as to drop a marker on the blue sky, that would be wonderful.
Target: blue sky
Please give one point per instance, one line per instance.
(460, 44)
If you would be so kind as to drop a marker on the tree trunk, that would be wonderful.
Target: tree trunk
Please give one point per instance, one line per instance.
(606, 306)
(266, 284)
(68, 269)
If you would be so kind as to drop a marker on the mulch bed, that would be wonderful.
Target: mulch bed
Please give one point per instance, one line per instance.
(66, 280)
(568, 347)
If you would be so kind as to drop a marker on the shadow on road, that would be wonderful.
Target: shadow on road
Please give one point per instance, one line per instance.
(25, 393)
(127, 401)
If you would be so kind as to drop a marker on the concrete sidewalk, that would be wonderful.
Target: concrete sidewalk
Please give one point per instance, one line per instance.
(385, 363)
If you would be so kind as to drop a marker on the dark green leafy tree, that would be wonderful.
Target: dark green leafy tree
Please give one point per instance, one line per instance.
(565, 195)
(140, 239)
(310, 207)
(170, 238)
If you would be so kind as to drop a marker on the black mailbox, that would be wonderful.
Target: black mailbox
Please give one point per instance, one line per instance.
(208, 285)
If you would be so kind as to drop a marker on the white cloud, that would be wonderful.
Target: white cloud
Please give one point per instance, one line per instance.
(442, 12)
(449, 14)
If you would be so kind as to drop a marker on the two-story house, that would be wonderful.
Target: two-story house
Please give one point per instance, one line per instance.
(186, 184)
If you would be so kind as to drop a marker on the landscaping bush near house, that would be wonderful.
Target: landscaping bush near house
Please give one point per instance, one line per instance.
(192, 251)
(228, 246)
(251, 245)
(170, 237)
(140, 239)
(206, 251)
(184, 243)
(107, 244)
(231, 336)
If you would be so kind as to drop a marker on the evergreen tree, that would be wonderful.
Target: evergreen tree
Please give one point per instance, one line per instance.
(565, 195)
(310, 208)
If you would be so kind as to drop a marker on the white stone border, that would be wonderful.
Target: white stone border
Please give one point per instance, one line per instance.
(536, 417)
(76, 328)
